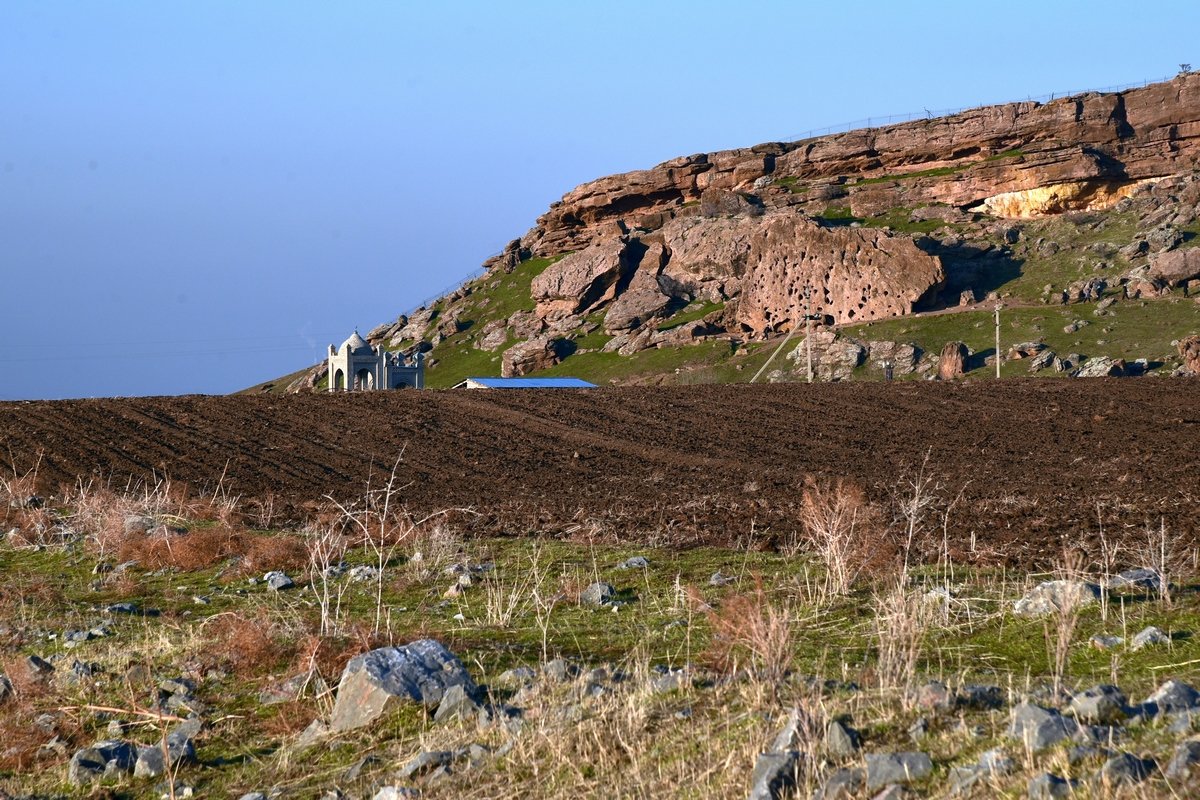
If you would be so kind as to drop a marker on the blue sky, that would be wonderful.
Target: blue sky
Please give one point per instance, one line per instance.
(197, 196)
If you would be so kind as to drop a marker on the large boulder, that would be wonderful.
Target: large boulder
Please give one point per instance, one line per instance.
(420, 672)
(834, 357)
(1050, 597)
(538, 353)
(1189, 351)
(585, 279)
(953, 361)
(1102, 367)
(1175, 266)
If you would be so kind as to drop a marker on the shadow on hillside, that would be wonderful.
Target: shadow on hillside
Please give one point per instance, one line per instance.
(969, 266)
(979, 359)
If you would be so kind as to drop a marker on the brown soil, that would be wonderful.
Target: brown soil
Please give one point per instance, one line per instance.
(1034, 464)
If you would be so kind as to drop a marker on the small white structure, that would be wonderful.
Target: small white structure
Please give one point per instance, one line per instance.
(357, 366)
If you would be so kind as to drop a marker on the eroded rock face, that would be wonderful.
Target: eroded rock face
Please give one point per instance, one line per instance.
(526, 357)
(953, 361)
(585, 279)
(1017, 159)
(854, 274)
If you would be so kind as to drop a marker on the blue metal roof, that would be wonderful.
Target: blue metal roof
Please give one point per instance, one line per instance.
(533, 383)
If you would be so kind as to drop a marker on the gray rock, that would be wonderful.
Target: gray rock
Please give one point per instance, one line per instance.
(421, 671)
(559, 669)
(919, 729)
(719, 579)
(1053, 596)
(1149, 637)
(138, 523)
(1125, 770)
(1183, 761)
(1102, 642)
(774, 775)
(1102, 367)
(426, 762)
(515, 678)
(634, 562)
(278, 581)
(845, 784)
(885, 768)
(394, 793)
(1172, 696)
(456, 703)
(1049, 787)
(1038, 728)
(842, 741)
(788, 737)
(106, 758)
(598, 594)
(253, 796)
(975, 697)
(1103, 705)
(1141, 578)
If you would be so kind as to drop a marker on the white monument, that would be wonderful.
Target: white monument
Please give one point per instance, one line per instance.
(357, 366)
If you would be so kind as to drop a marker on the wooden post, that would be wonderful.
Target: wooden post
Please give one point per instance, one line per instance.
(808, 331)
(998, 340)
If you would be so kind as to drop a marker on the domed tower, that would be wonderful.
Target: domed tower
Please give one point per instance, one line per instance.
(357, 366)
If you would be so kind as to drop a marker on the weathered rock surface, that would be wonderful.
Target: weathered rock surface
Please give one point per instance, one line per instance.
(953, 360)
(885, 768)
(422, 672)
(1175, 267)
(1189, 351)
(1051, 596)
(1038, 728)
(538, 353)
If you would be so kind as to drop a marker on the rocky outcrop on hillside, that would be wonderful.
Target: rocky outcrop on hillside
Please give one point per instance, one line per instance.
(1015, 160)
(754, 225)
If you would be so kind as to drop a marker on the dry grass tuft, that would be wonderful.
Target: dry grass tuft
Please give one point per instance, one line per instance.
(247, 646)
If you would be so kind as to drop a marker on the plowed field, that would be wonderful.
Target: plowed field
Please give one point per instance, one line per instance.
(1022, 465)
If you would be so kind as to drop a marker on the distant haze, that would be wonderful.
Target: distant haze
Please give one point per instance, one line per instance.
(197, 197)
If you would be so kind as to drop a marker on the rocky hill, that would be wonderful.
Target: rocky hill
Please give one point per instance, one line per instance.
(1076, 213)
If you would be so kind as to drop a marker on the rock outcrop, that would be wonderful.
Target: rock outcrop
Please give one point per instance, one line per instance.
(1017, 159)
(1189, 351)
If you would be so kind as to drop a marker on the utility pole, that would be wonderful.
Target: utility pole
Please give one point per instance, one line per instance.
(808, 330)
(998, 307)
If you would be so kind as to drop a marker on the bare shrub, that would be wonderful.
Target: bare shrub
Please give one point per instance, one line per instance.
(246, 646)
(842, 530)
(751, 628)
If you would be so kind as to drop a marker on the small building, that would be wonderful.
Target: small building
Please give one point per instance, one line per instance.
(524, 383)
(357, 366)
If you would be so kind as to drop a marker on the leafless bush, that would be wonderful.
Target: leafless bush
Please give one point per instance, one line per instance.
(752, 628)
(841, 530)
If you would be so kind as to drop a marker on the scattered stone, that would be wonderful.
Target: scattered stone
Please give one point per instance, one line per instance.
(103, 759)
(1038, 728)
(1149, 637)
(635, 562)
(278, 581)
(422, 671)
(935, 696)
(363, 573)
(39, 667)
(515, 678)
(1102, 642)
(1171, 697)
(980, 698)
(919, 729)
(774, 775)
(456, 703)
(842, 741)
(718, 579)
(842, 785)
(1141, 578)
(1052, 596)
(560, 670)
(1125, 770)
(1049, 787)
(885, 768)
(1183, 762)
(426, 762)
(1101, 705)
(598, 594)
